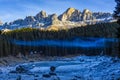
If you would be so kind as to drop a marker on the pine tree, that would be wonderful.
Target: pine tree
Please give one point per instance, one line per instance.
(117, 11)
(0, 32)
(117, 16)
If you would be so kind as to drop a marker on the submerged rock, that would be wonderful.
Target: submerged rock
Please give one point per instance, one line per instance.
(20, 69)
(46, 75)
(1, 71)
(19, 78)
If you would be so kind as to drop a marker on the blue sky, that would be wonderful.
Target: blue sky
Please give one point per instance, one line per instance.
(13, 9)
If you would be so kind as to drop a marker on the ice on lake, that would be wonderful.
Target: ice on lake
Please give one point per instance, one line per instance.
(75, 68)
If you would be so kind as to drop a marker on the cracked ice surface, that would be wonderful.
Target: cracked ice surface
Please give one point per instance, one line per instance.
(75, 68)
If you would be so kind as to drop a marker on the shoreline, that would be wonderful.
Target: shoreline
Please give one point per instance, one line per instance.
(11, 61)
(15, 60)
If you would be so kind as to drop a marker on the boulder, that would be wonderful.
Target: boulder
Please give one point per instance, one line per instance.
(51, 73)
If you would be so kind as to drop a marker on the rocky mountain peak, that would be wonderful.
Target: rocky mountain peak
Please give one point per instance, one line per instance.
(41, 15)
(29, 20)
(69, 14)
(52, 19)
(69, 11)
(87, 15)
(86, 11)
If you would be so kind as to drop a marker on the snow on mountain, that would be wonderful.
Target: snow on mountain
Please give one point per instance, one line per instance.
(70, 18)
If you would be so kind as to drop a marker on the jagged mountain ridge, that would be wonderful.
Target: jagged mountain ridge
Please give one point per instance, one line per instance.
(70, 18)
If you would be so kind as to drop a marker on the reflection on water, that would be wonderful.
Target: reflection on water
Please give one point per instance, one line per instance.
(84, 42)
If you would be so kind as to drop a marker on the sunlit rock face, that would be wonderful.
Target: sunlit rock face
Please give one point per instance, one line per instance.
(54, 19)
(87, 15)
(71, 14)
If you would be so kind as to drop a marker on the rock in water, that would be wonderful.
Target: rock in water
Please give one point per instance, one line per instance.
(46, 76)
(1, 71)
(51, 73)
(20, 69)
(19, 78)
(52, 69)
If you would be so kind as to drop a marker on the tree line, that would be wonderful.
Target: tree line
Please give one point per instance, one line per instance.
(106, 30)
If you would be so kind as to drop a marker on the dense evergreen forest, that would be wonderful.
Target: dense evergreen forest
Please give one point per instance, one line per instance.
(106, 30)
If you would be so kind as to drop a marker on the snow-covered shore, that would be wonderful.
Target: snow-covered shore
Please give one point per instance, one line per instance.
(74, 68)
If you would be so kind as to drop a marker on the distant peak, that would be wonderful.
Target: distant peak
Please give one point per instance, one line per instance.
(86, 11)
(42, 12)
(71, 8)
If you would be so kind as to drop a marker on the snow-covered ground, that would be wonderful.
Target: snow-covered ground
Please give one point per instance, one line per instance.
(75, 68)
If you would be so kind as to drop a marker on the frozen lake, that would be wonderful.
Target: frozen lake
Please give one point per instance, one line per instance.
(75, 68)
